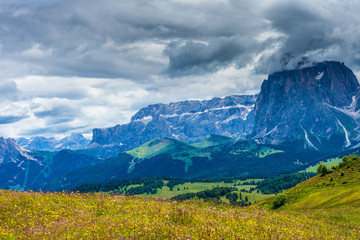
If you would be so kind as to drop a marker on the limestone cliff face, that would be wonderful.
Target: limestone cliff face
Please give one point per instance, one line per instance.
(315, 107)
(188, 120)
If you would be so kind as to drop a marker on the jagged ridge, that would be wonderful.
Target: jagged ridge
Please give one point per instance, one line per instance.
(190, 121)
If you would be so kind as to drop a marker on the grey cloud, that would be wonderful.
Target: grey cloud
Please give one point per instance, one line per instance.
(157, 45)
(313, 31)
(198, 57)
(8, 90)
(77, 34)
(58, 129)
(58, 111)
(10, 119)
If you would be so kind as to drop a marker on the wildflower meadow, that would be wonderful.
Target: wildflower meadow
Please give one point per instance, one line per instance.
(37, 215)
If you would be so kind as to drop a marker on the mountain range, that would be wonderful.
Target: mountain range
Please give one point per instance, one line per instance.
(75, 141)
(311, 108)
(299, 117)
(190, 121)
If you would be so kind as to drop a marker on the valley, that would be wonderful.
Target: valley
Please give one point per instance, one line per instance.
(34, 215)
(180, 119)
(266, 166)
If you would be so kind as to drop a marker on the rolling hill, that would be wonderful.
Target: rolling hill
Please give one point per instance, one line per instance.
(216, 156)
(338, 188)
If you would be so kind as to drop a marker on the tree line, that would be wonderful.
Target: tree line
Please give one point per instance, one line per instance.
(278, 184)
(150, 184)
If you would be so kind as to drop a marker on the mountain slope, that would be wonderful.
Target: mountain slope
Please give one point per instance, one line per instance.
(16, 164)
(312, 108)
(340, 188)
(22, 169)
(216, 156)
(190, 121)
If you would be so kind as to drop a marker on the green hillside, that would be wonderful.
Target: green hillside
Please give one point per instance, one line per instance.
(332, 159)
(216, 156)
(47, 166)
(179, 150)
(214, 140)
(337, 188)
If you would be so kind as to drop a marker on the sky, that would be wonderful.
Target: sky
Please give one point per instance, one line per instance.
(73, 65)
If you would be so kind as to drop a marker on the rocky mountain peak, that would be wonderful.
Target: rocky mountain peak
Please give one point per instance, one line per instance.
(330, 81)
(10, 151)
(309, 105)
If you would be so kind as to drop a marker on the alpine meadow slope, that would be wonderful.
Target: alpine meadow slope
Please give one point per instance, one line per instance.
(216, 156)
(335, 187)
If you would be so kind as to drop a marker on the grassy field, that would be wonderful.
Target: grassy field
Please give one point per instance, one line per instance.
(328, 163)
(189, 187)
(31, 215)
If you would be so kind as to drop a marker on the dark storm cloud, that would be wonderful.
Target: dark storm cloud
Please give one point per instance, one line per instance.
(70, 63)
(313, 31)
(113, 39)
(85, 38)
(198, 57)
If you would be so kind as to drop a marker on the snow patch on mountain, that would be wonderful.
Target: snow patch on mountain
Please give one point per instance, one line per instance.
(319, 76)
(145, 120)
(348, 143)
(310, 144)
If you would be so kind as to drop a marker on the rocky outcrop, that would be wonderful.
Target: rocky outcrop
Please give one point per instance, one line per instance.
(315, 108)
(188, 120)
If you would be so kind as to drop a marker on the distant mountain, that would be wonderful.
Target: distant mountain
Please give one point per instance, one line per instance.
(15, 164)
(75, 141)
(216, 156)
(312, 108)
(190, 121)
(38, 143)
(11, 152)
(22, 169)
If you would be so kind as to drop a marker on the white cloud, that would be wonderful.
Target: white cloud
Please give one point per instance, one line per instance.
(60, 104)
(55, 106)
(36, 51)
